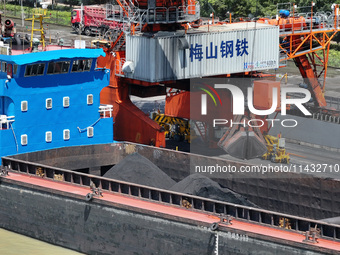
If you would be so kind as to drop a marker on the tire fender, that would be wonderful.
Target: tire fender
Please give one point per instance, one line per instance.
(89, 197)
(214, 226)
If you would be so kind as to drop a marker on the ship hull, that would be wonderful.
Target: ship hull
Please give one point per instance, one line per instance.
(101, 227)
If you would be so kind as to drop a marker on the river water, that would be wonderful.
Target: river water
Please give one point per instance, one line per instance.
(15, 244)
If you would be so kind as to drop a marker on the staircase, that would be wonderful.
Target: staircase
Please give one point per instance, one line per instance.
(123, 11)
(119, 44)
(200, 129)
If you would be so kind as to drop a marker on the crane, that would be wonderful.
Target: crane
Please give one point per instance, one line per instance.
(164, 24)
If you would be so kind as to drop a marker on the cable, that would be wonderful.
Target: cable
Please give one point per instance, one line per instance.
(15, 138)
(85, 129)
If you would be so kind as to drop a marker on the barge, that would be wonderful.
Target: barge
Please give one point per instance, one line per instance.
(128, 218)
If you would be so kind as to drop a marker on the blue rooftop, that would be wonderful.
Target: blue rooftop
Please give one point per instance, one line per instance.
(52, 55)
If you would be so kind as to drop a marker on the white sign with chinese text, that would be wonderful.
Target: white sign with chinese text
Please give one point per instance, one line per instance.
(162, 58)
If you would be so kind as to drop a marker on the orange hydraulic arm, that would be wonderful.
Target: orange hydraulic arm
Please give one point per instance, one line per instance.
(131, 124)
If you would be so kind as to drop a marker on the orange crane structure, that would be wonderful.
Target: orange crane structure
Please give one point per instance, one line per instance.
(303, 36)
(138, 17)
(162, 45)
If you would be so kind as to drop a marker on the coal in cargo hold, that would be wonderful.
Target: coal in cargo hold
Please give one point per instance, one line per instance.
(137, 169)
(199, 185)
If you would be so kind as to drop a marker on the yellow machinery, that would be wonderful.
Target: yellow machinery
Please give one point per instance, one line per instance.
(276, 149)
(174, 128)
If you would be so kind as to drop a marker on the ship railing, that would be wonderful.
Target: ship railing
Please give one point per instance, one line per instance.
(105, 110)
(212, 207)
(5, 121)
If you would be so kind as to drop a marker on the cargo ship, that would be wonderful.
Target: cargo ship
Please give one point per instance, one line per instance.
(55, 189)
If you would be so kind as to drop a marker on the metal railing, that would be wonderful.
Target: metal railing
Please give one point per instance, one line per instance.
(283, 58)
(333, 102)
(105, 110)
(328, 115)
(180, 200)
(156, 15)
(315, 21)
(5, 121)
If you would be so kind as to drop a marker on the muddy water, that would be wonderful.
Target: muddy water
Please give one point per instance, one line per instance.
(15, 244)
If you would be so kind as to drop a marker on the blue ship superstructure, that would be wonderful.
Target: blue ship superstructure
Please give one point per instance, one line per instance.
(51, 99)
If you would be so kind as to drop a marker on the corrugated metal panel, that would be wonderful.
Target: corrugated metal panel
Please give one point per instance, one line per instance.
(216, 53)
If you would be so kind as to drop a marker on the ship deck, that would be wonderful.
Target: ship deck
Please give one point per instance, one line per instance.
(19, 50)
(158, 209)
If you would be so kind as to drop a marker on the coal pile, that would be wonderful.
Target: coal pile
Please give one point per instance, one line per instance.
(137, 169)
(199, 185)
